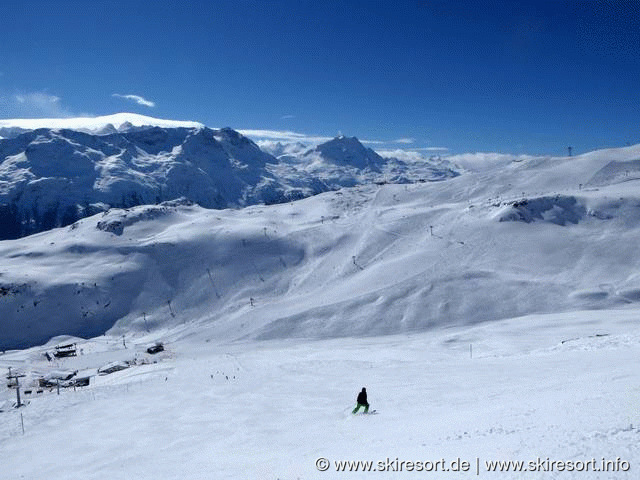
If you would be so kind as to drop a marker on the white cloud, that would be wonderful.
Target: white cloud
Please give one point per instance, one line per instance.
(287, 117)
(32, 104)
(400, 154)
(136, 98)
(284, 136)
(413, 154)
(38, 98)
(406, 141)
(289, 136)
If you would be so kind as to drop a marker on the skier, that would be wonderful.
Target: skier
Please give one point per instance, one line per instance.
(362, 401)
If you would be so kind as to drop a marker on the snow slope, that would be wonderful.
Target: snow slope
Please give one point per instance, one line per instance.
(492, 317)
(562, 387)
(525, 238)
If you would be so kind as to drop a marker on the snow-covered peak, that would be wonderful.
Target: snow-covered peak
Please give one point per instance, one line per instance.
(96, 125)
(56, 171)
(53, 177)
(279, 149)
(349, 151)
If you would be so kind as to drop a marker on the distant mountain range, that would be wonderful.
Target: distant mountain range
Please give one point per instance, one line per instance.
(54, 172)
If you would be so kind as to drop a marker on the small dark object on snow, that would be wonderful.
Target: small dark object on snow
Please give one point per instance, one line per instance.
(362, 401)
(155, 349)
(65, 351)
(362, 397)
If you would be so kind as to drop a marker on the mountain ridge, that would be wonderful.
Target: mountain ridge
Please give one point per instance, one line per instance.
(529, 237)
(51, 177)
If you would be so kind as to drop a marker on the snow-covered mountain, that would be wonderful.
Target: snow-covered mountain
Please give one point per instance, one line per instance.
(488, 316)
(283, 149)
(51, 178)
(345, 162)
(349, 151)
(56, 171)
(540, 235)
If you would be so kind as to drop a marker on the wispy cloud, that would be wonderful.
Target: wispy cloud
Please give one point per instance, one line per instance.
(411, 155)
(404, 141)
(284, 136)
(289, 136)
(287, 117)
(33, 104)
(400, 154)
(136, 98)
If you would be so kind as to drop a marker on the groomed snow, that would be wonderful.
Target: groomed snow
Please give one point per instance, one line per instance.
(563, 387)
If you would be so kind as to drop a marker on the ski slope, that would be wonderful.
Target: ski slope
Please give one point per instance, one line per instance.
(492, 317)
(562, 387)
(528, 237)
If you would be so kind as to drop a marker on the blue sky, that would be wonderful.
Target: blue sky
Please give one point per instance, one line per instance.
(505, 76)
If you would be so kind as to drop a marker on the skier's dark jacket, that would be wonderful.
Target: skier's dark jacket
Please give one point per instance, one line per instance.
(362, 397)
